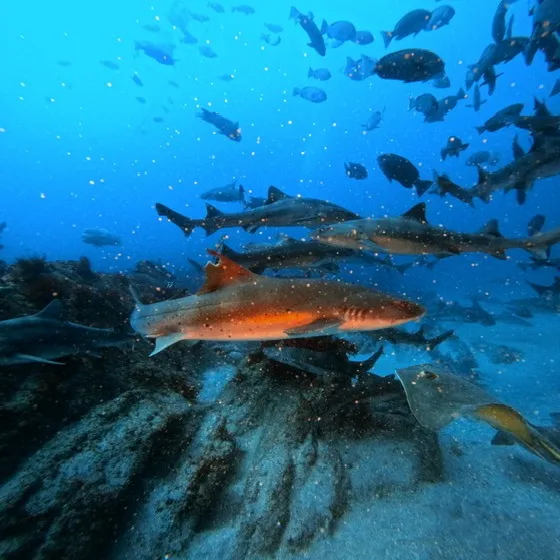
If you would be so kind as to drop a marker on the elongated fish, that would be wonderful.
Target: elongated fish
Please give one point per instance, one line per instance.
(280, 210)
(234, 304)
(411, 234)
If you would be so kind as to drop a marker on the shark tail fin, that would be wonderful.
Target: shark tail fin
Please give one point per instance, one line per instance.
(186, 224)
(433, 343)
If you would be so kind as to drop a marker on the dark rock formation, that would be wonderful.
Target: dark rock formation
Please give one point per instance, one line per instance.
(113, 457)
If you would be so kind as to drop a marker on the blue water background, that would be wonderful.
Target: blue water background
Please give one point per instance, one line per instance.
(78, 151)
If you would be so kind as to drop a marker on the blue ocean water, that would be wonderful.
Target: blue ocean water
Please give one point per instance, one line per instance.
(79, 150)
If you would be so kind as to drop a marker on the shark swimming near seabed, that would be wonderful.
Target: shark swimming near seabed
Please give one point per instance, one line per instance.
(411, 234)
(45, 337)
(234, 304)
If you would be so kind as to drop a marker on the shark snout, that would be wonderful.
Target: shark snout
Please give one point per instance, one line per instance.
(401, 311)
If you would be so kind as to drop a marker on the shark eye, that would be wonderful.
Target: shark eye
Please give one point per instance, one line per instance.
(429, 375)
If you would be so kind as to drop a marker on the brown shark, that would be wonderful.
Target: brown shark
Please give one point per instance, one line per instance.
(234, 304)
(411, 234)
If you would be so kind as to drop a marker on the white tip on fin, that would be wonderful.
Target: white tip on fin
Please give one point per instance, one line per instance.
(163, 342)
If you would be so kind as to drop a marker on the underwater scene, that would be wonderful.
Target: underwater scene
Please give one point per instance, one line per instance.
(280, 281)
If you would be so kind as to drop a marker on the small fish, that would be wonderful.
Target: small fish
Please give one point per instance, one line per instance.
(313, 94)
(243, 9)
(306, 22)
(201, 18)
(225, 126)
(363, 38)
(157, 119)
(136, 79)
(398, 168)
(410, 65)
(322, 74)
(339, 32)
(227, 77)
(140, 100)
(355, 171)
(160, 53)
(503, 118)
(441, 16)
(218, 8)
(64, 63)
(477, 101)
(109, 64)
(410, 24)
(100, 237)
(374, 120)
(173, 84)
(272, 40)
(206, 50)
(273, 28)
(453, 148)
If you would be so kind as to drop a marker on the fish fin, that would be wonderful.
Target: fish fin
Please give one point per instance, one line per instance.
(163, 342)
(482, 175)
(387, 37)
(275, 194)
(315, 327)
(52, 312)
(502, 438)
(224, 273)
(498, 254)
(491, 228)
(37, 359)
(134, 294)
(433, 343)
(212, 212)
(538, 253)
(230, 253)
(324, 27)
(480, 129)
(251, 228)
(417, 213)
(422, 186)
(366, 365)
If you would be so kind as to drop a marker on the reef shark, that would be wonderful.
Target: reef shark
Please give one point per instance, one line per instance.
(280, 210)
(234, 304)
(437, 397)
(45, 336)
(411, 234)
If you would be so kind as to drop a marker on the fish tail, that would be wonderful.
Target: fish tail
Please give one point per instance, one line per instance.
(186, 224)
(387, 37)
(433, 343)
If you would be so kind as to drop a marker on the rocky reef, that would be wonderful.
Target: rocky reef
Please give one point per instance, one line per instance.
(115, 457)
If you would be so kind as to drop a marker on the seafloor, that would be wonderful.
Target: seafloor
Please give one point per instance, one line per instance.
(214, 452)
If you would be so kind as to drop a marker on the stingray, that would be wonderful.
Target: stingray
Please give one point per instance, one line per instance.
(437, 397)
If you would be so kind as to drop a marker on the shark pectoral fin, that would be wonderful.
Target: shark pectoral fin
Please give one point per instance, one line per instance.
(499, 254)
(37, 359)
(163, 342)
(538, 253)
(502, 438)
(316, 327)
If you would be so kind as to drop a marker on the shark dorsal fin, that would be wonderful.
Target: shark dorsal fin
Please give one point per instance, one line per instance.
(224, 273)
(417, 213)
(227, 251)
(275, 194)
(482, 176)
(53, 311)
(491, 228)
(212, 212)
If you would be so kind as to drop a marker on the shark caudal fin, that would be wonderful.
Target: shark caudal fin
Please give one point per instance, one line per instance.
(433, 343)
(185, 224)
